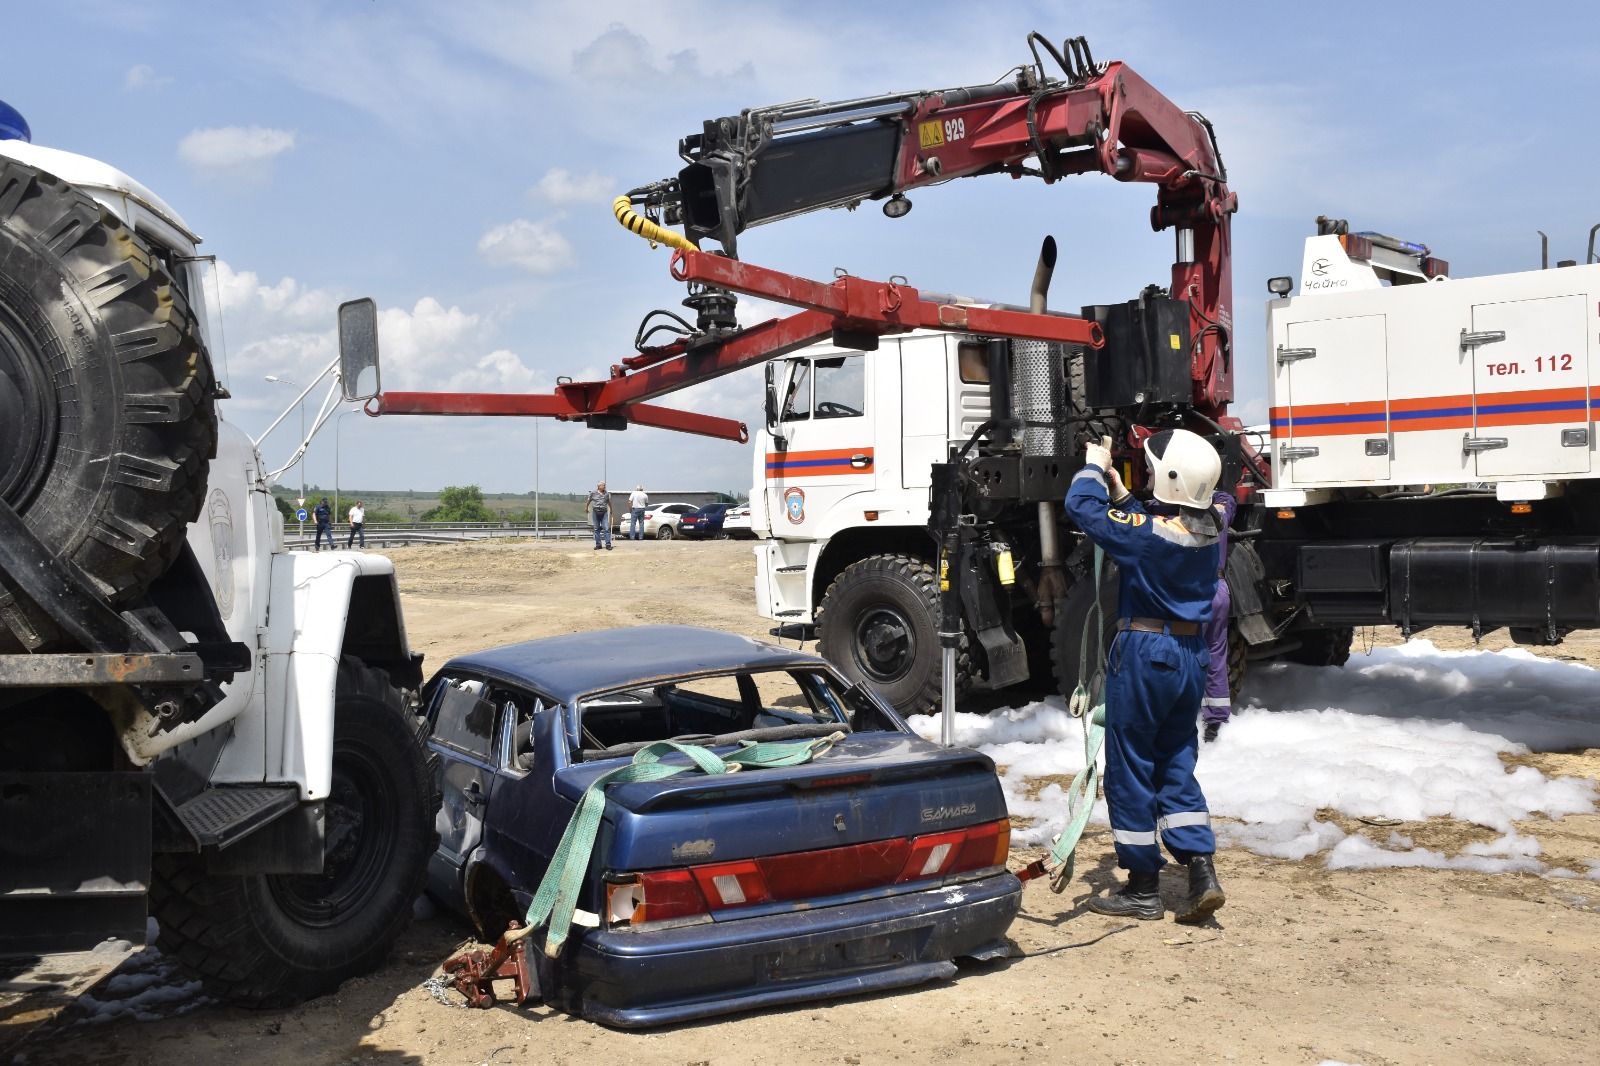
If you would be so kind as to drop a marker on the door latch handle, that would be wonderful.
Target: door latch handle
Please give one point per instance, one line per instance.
(474, 795)
(860, 460)
(1306, 452)
(1472, 444)
(1294, 355)
(1487, 336)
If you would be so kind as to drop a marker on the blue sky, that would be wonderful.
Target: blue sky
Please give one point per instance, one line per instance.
(455, 161)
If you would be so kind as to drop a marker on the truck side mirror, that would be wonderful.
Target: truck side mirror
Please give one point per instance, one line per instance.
(358, 350)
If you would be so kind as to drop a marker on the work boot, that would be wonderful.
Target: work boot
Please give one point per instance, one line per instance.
(1212, 729)
(1139, 898)
(1205, 894)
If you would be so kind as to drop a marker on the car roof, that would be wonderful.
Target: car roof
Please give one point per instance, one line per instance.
(576, 664)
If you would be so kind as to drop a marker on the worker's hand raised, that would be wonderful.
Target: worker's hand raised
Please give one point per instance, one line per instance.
(1114, 484)
(1099, 454)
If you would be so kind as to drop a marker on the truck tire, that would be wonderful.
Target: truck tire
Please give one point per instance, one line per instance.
(1322, 647)
(107, 415)
(1072, 618)
(879, 624)
(271, 940)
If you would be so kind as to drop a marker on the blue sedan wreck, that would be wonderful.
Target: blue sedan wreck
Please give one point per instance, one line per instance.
(873, 865)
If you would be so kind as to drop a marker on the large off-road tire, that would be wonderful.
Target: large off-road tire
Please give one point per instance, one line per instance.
(107, 414)
(271, 940)
(1322, 647)
(879, 624)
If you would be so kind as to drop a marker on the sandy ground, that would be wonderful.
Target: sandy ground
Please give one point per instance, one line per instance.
(1303, 965)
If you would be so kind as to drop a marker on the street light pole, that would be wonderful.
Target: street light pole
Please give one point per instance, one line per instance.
(276, 380)
(337, 424)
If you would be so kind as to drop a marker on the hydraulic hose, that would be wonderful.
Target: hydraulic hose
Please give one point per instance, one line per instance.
(622, 207)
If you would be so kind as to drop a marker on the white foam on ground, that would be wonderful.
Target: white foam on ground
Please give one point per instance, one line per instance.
(1408, 733)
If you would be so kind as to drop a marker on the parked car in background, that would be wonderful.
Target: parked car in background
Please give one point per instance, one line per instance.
(661, 520)
(872, 866)
(705, 523)
(736, 523)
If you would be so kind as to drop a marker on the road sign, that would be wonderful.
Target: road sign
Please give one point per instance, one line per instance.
(300, 515)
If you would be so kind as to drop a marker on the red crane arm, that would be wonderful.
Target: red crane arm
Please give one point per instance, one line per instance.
(771, 163)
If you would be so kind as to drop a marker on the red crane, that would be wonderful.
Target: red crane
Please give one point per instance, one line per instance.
(771, 163)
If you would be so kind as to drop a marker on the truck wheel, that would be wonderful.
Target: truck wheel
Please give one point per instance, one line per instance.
(879, 624)
(1322, 647)
(1073, 617)
(271, 940)
(1238, 664)
(107, 412)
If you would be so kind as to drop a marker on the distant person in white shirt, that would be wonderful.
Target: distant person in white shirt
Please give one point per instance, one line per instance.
(358, 524)
(638, 500)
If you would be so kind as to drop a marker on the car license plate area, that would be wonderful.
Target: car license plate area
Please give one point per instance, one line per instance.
(842, 957)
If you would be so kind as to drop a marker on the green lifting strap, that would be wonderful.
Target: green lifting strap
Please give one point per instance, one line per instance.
(555, 902)
(1088, 706)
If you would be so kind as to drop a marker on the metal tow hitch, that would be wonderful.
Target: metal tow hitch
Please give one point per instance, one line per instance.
(473, 973)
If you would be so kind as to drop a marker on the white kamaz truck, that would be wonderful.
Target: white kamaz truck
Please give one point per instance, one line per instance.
(1432, 463)
(195, 723)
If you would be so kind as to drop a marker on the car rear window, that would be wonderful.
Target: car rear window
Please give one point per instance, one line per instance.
(463, 719)
(707, 709)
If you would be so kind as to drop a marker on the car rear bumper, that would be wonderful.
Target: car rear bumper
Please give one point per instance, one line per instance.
(638, 979)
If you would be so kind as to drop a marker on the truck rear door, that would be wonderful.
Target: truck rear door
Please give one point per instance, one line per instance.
(1335, 427)
(1530, 375)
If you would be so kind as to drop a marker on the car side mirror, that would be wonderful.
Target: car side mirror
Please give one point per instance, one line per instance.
(358, 350)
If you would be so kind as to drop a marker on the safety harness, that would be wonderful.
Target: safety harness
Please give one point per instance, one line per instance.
(1087, 704)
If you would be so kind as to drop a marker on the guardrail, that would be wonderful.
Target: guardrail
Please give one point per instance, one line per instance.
(398, 534)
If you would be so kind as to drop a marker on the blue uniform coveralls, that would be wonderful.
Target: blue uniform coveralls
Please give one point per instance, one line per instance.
(1154, 681)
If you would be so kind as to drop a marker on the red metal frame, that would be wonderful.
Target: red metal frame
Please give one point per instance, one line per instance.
(1115, 123)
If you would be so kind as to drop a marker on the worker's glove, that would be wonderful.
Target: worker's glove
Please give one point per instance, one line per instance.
(1099, 454)
(1114, 485)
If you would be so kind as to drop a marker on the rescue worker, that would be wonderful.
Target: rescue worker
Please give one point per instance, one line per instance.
(1217, 706)
(1156, 669)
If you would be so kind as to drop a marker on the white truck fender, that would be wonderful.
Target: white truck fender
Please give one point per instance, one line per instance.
(291, 739)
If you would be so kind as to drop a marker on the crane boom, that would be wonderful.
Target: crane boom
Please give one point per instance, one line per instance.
(771, 163)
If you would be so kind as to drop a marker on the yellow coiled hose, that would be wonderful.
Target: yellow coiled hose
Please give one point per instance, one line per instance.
(622, 207)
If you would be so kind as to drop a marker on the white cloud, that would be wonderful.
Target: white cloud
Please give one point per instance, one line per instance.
(560, 186)
(536, 247)
(143, 76)
(234, 148)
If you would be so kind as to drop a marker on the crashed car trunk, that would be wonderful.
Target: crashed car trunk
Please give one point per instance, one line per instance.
(891, 849)
(873, 863)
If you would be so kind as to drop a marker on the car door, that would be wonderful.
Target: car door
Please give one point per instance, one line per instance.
(462, 732)
(828, 452)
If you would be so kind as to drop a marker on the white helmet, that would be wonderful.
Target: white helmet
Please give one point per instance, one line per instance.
(1183, 468)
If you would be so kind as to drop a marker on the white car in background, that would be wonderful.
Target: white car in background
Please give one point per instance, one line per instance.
(661, 520)
(736, 523)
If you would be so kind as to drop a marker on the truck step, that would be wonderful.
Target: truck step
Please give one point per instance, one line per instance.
(790, 569)
(787, 614)
(224, 814)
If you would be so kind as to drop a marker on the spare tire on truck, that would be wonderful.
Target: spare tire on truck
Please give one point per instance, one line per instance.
(107, 399)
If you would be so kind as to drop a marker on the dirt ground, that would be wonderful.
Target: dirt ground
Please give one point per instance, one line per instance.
(1303, 965)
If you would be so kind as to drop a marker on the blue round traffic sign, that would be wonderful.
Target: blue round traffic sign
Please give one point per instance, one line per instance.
(301, 515)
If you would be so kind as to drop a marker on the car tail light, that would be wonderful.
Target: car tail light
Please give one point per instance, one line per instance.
(654, 896)
(663, 895)
(732, 884)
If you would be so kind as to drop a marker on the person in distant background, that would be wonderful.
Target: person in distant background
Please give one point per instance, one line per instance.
(599, 506)
(638, 500)
(1217, 706)
(358, 524)
(324, 516)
